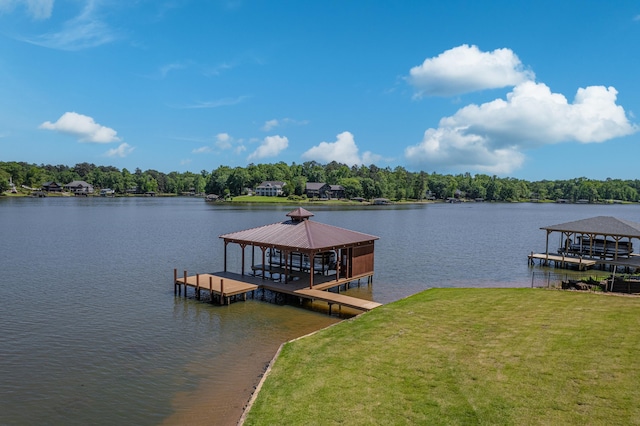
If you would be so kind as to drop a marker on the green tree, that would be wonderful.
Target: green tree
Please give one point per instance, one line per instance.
(352, 187)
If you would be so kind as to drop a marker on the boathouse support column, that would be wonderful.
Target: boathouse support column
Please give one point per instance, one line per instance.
(286, 255)
(546, 250)
(225, 255)
(242, 246)
(311, 270)
(263, 259)
(338, 262)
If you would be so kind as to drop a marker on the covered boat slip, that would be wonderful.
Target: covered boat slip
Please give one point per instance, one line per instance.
(295, 257)
(294, 245)
(601, 240)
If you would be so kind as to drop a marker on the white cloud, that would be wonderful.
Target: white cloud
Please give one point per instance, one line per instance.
(270, 147)
(122, 150)
(491, 137)
(82, 126)
(344, 150)
(270, 124)
(202, 150)
(215, 103)
(217, 69)
(37, 9)
(466, 69)
(166, 69)
(86, 30)
(223, 141)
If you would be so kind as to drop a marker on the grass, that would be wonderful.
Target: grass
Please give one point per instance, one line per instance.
(465, 356)
(284, 200)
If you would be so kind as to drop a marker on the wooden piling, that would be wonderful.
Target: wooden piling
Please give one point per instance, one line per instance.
(185, 284)
(221, 291)
(211, 288)
(197, 286)
(175, 281)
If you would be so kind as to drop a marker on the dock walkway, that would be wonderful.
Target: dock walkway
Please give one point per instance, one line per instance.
(338, 299)
(562, 260)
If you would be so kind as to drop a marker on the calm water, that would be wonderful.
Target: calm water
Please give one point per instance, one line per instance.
(92, 333)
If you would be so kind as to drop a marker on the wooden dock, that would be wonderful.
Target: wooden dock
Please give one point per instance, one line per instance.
(224, 285)
(338, 299)
(220, 286)
(561, 261)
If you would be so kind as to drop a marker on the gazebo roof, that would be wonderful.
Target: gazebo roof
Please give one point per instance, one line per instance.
(301, 234)
(599, 225)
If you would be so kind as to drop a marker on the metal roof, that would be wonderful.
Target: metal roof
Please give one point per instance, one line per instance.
(599, 225)
(300, 234)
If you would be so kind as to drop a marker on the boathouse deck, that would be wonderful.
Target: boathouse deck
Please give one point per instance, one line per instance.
(224, 285)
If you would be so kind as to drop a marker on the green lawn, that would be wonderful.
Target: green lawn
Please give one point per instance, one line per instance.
(465, 356)
(284, 200)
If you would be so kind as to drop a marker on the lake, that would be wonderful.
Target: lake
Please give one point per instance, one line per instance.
(92, 332)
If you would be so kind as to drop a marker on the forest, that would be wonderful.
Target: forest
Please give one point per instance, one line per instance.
(397, 184)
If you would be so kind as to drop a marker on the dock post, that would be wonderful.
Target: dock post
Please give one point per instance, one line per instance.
(211, 287)
(185, 284)
(330, 304)
(197, 286)
(221, 291)
(175, 281)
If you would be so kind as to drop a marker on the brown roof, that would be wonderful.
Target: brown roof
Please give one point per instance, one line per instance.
(300, 234)
(300, 214)
(599, 225)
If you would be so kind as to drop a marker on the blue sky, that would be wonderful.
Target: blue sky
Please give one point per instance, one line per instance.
(532, 90)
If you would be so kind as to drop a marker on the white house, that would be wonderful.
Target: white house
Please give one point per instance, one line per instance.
(270, 188)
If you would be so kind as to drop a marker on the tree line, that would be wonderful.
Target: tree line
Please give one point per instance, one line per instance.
(358, 181)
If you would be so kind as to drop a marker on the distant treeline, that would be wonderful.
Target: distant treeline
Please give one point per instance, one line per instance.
(358, 181)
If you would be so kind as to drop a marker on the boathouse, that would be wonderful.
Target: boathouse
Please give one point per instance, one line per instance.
(603, 240)
(299, 246)
(296, 257)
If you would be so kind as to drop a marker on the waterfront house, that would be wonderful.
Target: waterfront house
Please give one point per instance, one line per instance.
(79, 187)
(337, 191)
(323, 190)
(317, 190)
(270, 188)
(51, 187)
